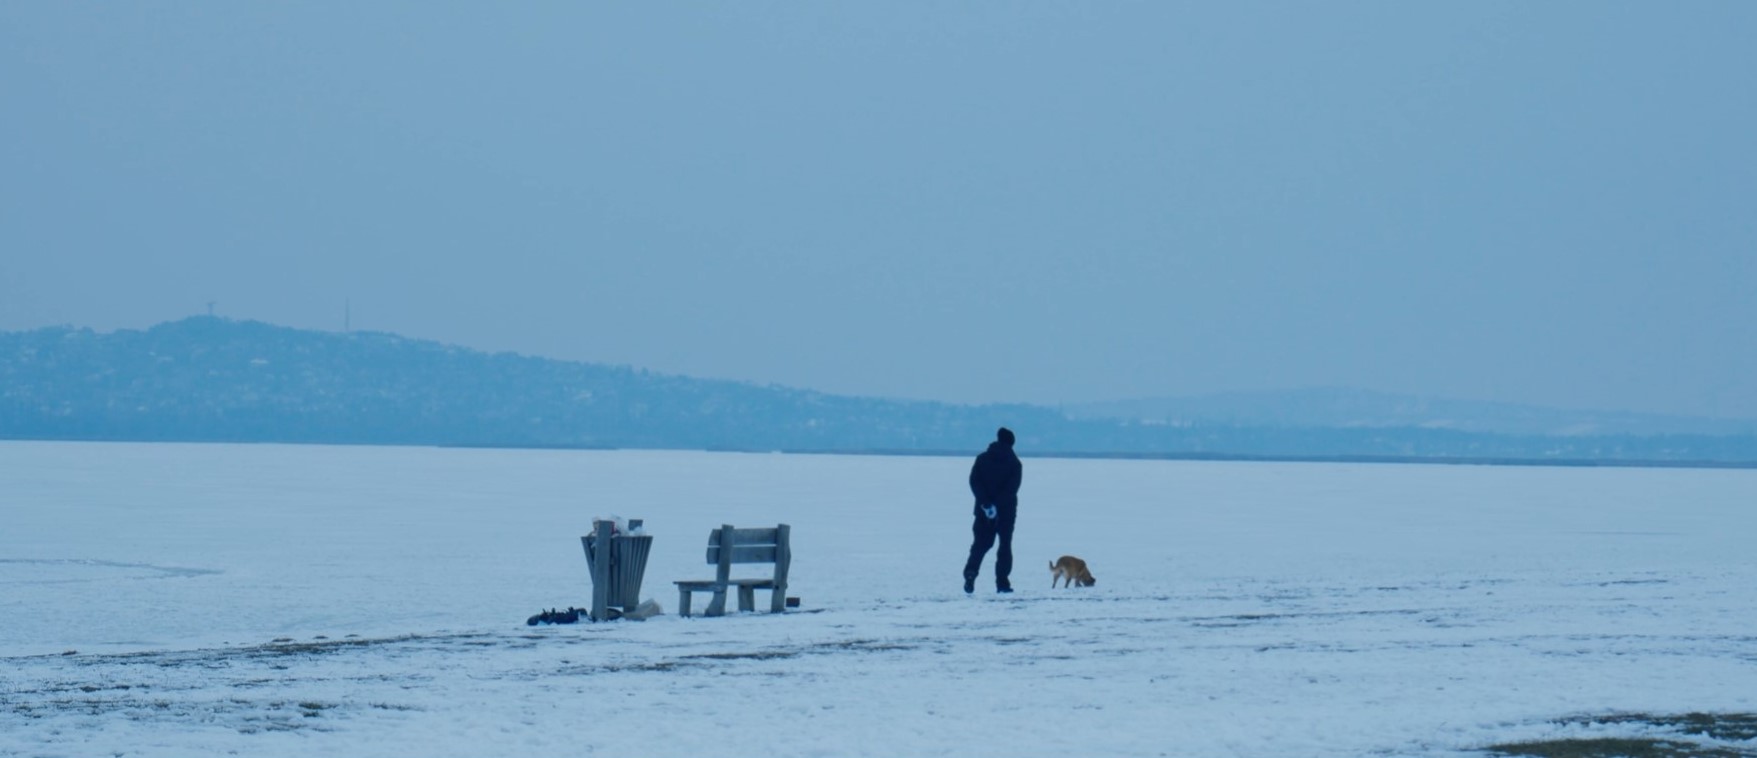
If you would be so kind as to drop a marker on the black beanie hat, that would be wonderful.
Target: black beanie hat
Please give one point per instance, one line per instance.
(1005, 436)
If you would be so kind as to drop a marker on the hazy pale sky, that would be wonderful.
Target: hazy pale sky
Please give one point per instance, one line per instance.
(1551, 203)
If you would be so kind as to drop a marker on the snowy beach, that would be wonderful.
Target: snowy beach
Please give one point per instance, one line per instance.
(165, 599)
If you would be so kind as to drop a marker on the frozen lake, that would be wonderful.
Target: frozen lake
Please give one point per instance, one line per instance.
(161, 599)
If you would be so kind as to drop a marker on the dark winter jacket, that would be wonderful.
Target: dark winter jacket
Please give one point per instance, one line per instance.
(994, 479)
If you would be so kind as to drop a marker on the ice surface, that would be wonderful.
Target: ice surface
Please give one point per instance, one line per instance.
(279, 600)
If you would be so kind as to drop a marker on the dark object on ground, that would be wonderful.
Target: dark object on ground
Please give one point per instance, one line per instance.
(792, 602)
(552, 616)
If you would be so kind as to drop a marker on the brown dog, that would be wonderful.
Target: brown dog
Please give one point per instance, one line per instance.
(1072, 570)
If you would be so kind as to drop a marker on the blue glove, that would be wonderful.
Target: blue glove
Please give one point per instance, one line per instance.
(988, 510)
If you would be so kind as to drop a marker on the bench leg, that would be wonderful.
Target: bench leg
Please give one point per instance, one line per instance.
(746, 598)
(683, 594)
(718, 606)
(778, 600)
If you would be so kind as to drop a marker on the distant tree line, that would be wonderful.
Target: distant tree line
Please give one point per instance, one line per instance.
(212, 379)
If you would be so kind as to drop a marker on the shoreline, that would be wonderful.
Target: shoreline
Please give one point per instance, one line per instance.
(1513, 461)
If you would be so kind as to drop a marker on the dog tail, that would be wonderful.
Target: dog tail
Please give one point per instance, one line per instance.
(1052, 565)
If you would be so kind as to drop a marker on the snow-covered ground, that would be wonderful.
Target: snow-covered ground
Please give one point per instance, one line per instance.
(279, 600)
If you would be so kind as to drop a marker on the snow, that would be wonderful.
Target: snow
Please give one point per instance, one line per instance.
(1252, 609)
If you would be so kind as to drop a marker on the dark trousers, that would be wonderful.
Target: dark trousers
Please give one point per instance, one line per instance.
(985, 530)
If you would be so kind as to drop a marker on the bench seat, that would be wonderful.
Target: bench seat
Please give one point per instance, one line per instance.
(746, 593)
(727, 546)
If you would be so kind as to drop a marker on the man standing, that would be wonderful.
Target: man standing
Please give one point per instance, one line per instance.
(994, 480)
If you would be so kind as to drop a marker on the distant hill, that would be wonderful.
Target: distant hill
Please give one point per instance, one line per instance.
(1351, 408)
(214, 379)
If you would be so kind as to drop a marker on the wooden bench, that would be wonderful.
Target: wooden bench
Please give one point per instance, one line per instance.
(727, 546)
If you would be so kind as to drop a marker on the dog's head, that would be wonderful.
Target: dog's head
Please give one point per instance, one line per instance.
(1088, 580)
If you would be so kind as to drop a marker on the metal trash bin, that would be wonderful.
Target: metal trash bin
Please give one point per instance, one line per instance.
(616, 580)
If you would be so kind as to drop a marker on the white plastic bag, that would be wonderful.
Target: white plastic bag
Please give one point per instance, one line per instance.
(646, 610)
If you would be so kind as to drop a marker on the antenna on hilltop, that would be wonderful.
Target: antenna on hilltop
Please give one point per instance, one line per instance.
(347, 315)
(210, 309)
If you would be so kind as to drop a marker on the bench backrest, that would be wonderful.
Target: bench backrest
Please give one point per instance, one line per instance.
(728, 545)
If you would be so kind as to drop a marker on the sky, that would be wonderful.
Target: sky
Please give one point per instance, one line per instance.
(1546, 203)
